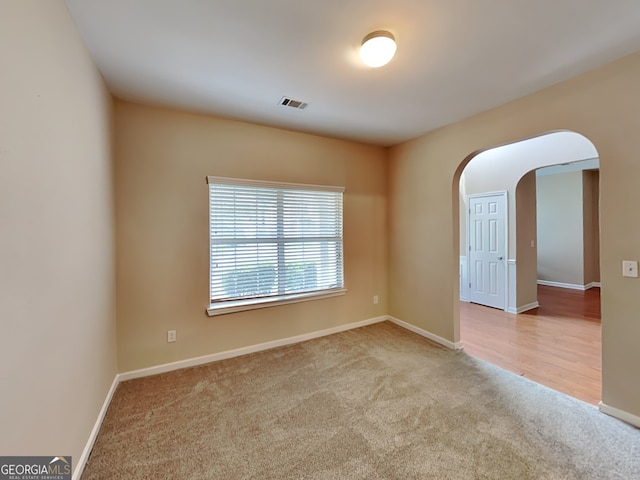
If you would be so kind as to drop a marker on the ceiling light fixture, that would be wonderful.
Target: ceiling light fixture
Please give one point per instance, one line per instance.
(378, 48)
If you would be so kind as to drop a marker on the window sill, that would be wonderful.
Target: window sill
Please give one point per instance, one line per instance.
(253, 304)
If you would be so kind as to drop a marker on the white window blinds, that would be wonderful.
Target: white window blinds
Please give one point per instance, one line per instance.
(273, 239)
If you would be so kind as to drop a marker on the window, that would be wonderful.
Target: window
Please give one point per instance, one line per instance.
(273, 243)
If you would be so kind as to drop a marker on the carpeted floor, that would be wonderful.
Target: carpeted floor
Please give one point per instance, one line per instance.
(377, 402)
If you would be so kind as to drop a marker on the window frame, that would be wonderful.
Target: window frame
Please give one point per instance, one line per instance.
(236, 305)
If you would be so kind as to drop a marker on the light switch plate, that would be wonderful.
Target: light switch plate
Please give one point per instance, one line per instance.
(630, 268)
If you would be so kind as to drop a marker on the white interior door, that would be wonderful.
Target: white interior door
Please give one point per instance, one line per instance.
(487, 249)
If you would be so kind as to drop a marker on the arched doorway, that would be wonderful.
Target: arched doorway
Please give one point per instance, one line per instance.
(511, 170)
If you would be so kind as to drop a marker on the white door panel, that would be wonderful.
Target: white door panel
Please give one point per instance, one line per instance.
(487, 249)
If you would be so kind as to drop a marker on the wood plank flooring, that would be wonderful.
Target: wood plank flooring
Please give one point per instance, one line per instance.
(557, 344)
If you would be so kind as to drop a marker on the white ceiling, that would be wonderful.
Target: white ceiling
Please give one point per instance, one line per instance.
(455, 58)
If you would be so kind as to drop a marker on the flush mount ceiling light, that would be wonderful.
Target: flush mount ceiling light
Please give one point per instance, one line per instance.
(378, 48)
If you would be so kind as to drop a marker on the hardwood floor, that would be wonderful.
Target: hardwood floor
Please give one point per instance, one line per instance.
(557, 344)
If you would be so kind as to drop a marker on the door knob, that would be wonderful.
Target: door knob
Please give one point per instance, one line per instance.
(499, 258)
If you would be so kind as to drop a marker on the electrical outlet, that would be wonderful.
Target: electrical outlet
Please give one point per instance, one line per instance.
(375, 299)
(171, 336)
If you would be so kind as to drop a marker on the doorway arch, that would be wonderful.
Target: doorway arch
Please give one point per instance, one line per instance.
(504, 168)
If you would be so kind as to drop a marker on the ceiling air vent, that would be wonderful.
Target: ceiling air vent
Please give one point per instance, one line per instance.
(289, 102)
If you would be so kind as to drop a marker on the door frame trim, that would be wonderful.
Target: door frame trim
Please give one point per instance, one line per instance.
(467, 198)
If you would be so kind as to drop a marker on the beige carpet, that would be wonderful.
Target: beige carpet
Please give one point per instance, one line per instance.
(378, 402)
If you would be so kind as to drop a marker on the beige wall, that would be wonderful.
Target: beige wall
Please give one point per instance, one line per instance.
(526, 232)
(591, 213)
(57, 292)
(162, 159)
(56, 209)
(568, 250)
(560, 228)
(424, 173)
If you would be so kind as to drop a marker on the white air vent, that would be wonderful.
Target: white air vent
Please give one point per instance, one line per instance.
(289, 102)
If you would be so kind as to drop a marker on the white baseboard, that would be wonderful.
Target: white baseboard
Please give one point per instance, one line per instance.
(192, 362)
(524, 308)
(168, 367)
(620, 415)
(77, 473)
(572, 286)
(429, 335)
